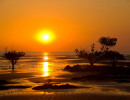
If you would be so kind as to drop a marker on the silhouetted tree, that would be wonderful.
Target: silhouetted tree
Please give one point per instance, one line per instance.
(92, 56)
(114, 56)
(13, 56)
(107, 42)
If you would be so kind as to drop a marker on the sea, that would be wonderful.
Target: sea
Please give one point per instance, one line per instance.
(40, 66)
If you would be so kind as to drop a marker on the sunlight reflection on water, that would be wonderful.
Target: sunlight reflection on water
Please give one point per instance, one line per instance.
(45, 65)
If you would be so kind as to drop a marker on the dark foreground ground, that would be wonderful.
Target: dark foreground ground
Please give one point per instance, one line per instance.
(66, 97)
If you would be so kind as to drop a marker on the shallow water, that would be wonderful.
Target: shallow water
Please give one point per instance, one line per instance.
(43, 66)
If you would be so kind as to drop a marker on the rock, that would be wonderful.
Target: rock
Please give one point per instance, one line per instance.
(50, 86)
(2, 82)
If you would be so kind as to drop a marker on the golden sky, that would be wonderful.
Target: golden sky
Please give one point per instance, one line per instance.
(73, 23)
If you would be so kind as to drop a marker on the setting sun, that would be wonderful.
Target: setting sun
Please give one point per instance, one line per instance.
(64, 49)
(45, 36)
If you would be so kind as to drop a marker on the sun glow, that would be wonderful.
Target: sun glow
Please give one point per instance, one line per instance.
(45, 58)
(45, 36)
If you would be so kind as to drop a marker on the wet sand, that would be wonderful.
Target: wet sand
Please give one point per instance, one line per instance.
(15, 76)
(65, 78)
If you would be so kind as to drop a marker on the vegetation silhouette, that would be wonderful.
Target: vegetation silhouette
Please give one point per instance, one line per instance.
(13, 56)
(107, 43)
(92, 55)
(108, 54)
(114, 56)
(104, 54)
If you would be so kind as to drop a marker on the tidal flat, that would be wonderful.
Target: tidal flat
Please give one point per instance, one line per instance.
(35, 70)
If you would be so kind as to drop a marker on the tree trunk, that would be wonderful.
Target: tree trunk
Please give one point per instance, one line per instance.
(91, 63)
(114, 62)
(12, 64)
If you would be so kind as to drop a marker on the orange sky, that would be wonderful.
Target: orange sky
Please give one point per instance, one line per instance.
(74, 23)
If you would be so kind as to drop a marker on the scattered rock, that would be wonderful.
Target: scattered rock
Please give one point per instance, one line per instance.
(123, 81)
(50, 86)
(104, 69)
(2, 82)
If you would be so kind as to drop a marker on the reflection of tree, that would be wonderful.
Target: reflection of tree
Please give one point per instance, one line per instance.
(13, 57)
